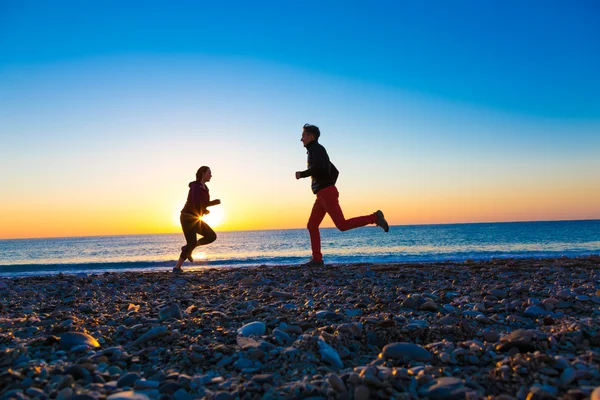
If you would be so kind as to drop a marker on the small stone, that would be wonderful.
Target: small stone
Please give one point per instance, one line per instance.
(567, 376)
(246, 281)
(152, 334)
(337, 383)
(519, 339)
(281, 337)
(128, 395)
(498, 293)
(71, 339)
(325, 314)
(447, 388)
(171, 311)
(428, 306)
(143, 384)
(133, 308)
(490, 336)
(182, 394)
(262, 378)
(128, 379)
(373, 381)
(353, 312)
(362, 392)
(535, 311)
(255, 328)
(282, 295)
(402, 350)
(544, 392)
(76, 371)
(329, 355)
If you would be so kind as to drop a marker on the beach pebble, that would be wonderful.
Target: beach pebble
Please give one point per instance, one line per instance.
(490, 335)
(282, 295)
(567, 376)
(329, 354)
(520, 339)
(353, 312)
(71, 340)
(428, 306)
(133, 308)
(535, 311)
(153, 334)
(143, 384)
(128, 395)
(401, 350)
(128, 379)
(446, 388)
(499, 293)
(243, 363)
(337, 383)
(256, 328)
(542, 392)
(171, 311)
(182, 394)
(325, 314)
(362, 392)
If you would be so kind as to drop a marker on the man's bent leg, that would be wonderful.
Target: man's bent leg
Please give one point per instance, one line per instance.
(330, 202)
(316, 217)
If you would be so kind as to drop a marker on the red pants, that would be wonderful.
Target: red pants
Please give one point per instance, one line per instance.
(327, 203)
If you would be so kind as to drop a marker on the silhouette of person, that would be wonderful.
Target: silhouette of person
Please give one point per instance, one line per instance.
(198, 201)
(323, 178)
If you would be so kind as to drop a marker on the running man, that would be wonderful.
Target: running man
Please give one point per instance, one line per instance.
(323, 176)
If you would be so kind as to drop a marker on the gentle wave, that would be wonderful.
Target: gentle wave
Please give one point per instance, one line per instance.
(153, 266)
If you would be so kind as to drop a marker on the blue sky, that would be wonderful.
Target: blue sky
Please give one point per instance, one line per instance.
(535, 57)
(446, 111)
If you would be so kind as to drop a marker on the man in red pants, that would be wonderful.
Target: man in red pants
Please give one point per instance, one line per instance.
(323, 177)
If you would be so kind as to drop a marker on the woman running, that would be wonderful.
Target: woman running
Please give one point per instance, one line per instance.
(191, 216)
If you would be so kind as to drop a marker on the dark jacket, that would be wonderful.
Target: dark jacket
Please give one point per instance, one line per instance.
(322, 172)
(198, 199)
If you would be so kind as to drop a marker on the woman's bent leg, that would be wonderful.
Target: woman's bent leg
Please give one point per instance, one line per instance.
(208, 235)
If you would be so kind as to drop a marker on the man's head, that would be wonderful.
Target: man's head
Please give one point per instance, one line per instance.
(309, 133)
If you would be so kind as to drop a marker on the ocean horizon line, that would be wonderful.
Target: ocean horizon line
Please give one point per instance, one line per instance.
(297, 229)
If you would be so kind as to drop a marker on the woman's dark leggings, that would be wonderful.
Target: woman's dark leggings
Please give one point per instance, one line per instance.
(191, 227)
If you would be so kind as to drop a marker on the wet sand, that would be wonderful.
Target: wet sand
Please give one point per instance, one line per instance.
(492, 329)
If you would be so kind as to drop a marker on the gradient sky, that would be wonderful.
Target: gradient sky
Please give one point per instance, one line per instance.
(433, 111)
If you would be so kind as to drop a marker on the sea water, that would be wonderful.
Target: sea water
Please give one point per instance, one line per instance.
(416, 243)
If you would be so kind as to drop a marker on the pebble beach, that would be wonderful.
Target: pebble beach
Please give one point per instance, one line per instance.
(495, 329)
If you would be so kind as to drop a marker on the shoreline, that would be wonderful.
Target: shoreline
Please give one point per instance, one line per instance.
(98, 267)
(499, 328)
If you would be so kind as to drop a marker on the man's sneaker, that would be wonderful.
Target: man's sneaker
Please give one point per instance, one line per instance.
(381, 222)
(313, 264)
(177, 270)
